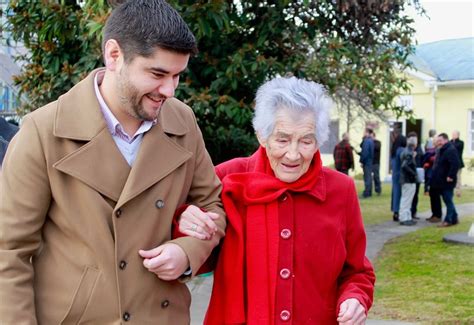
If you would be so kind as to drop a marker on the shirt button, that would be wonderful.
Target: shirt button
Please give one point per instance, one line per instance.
(285, 273)
(165, 303)
(122, 265)
(285, 315)
(285, 233)
(159, 204)
(126, 316)
(118, 213)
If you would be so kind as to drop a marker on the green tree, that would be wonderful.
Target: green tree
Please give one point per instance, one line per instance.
(353, 47)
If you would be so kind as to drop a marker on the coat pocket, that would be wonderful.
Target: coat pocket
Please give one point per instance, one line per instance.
(82, 296)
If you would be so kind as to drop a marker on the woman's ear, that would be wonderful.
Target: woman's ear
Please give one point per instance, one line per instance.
(261, 140)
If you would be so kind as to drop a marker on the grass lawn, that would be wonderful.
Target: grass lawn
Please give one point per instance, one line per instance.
(422, 279)
(377, 208)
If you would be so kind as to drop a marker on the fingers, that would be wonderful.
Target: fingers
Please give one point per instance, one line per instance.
(196, 223)
(169, 264)
(150, 253)
(351, 312)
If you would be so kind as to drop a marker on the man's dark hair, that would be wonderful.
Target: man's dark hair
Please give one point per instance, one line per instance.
(369, 131)
(142, 26)
(444, 136)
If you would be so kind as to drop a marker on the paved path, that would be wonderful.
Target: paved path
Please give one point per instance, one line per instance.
(377, 236)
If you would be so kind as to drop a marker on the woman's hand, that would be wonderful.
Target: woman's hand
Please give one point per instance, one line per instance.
(351, 312)
(197, 223)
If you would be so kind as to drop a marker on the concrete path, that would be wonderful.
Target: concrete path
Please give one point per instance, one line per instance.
(377, 236)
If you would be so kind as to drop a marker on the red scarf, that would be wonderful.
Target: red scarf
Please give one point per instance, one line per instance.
(245, 276)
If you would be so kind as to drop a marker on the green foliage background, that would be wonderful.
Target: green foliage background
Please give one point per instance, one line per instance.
(353, 47)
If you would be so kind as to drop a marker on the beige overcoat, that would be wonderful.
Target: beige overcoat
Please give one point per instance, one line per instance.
(73, 215)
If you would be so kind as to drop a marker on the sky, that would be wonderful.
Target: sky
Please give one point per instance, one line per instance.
(448, 19)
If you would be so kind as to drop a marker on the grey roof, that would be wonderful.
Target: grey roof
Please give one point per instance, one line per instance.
(447, 60)
(8, 68)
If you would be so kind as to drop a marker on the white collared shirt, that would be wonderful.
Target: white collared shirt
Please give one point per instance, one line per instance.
(128, 145)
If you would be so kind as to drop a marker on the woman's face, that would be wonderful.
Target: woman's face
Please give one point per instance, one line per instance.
(292, 145)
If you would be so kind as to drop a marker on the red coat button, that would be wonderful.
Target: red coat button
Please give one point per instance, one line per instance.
(285, 233)
(285, 315)
(285, 273)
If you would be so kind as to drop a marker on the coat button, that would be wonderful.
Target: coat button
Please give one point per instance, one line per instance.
(159, 204)
(165, 303)
(126, 316)
(122, 265)
(285, 273)
(285, 315)
(118, 213)
(285, 233)
(283, 198)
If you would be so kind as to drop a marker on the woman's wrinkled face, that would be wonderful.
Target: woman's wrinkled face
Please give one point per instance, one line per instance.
(291, 146)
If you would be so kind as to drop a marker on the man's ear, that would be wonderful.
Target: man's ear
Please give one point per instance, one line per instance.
(113, 55)
(261, 140)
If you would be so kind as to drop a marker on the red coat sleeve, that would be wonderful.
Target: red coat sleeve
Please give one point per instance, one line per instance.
(357, 278)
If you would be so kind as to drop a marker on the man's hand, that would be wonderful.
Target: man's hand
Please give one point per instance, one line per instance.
(449, 179)
(351, 312)
(168, 261)
(196, 223)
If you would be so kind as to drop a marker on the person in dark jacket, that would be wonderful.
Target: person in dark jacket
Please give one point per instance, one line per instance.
(419, 164)
(443, 180)
(459, 145)
(7, 131)
(399, 142)
(376, 165)
(343, 157)
(366, 159)
(408, 180)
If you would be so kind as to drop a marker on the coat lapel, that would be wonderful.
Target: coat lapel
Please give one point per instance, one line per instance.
(159, 155)
(98, 163)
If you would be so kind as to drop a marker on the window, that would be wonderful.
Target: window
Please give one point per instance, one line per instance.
(333, 138)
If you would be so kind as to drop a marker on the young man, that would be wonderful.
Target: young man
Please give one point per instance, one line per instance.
(91, 185)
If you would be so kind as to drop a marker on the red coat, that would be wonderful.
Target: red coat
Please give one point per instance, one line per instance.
(321, 249)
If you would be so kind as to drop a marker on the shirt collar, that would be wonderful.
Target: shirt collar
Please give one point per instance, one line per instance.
(114, 126)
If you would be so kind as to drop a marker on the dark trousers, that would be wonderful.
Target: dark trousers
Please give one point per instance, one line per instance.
(376, 176)
(414, 203)
(451, 213)
(367, 180)
(435, 201)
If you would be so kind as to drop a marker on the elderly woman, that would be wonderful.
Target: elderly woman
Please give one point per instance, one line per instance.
(294, 250)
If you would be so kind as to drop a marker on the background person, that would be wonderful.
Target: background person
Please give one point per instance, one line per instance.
(459, 145)
(398, 144)
(295, 244)
(343, 156)
(366, 160)
(94, 178)
(443, 180)
(7, 131)
(419, 164)
(408, 180)
(376, 165)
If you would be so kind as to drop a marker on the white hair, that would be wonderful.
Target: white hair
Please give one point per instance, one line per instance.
(412, 142)
(297, 96)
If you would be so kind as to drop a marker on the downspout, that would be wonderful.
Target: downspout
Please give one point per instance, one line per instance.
(433, 108)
